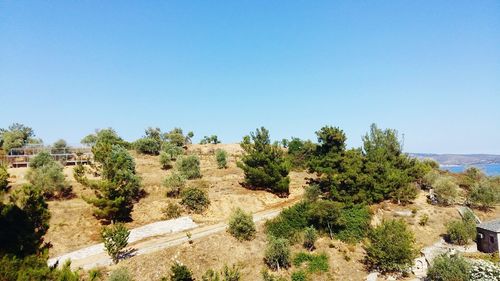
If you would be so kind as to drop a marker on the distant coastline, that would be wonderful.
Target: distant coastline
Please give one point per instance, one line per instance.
(460, 159)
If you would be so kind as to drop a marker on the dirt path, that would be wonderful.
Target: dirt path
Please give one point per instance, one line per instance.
(95, 255)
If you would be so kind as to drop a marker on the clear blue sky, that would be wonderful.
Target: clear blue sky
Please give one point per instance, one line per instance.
(430, 69)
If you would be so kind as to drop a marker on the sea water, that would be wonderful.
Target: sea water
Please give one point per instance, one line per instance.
(488, 169)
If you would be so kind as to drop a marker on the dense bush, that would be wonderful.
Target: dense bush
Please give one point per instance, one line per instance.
(4, 178)
(354, 223)
(277, 254)
(310, 237)
(195, 199)
(165, 160)
(241, 225)
(485, 194)
(180, 272)
(147, 146)
(461, 232)
(449, 268)
(391, 247)
(445, 191)
(115, 238)
(172, 150)
(48, 176)
(221, 158)
(189, 167)
(264, 164)
(24, 220)
(15, 136)
(34, 268)
(300, 152)
(174, 184)
(176, 137)
(405, 194)
(290, 222)
(171, 211)
(120, 274)
(312, 193)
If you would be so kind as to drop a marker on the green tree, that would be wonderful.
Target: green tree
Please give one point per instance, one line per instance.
(172, 150)
(445, 191)
(325, 215)
(300, 152)
(449, 268)
(147, 146)
(195, 199)
(485, 194)
(213, 139)
(4, 178)
(15, 136)
(310, 237)
(189, 167)
(241, 225)
(165, 160)
(391, 247)
(277, 254)
(264, 164)
(115, 238)
(221, 158)
(47, 175)
(176, 137)
(60, 147)
(180, 272)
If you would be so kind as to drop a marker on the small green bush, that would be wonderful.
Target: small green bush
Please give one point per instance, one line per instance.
(195, 199)
(115, 238)
(189, 167)
(312, 193)
(461, 232)
(174, 183)
(4, 178)
(47, 175)
(299, 276)
(354, 223)
(310, 236)
(391, 247)
(485, 194)
(290, 222)
(120, 274)
(172, 150)
(171, 211)
(424, 219)
(180, 272)
(221, 157)
(315, 262)
(147, 146)
(41, 159)
(241, 225)
(449, 268)
(165, 160)
(277, 254)
(446, 191)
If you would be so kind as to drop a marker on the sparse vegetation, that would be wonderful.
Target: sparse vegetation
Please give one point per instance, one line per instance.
(195, 199)
(391, 247)
(221, 158)
(180, 272)
(227, 274)
(424, 219)
(120, 274)
(264, 164)
(171, 211)
(115, 238)
(241, 225)
(189, 167)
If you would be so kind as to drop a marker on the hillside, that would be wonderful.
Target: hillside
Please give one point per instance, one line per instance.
(459, 159)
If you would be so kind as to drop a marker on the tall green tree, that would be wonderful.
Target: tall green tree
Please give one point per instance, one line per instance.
(264, 164)
(15, 136)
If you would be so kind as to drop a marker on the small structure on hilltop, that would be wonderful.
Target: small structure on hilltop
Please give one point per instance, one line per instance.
(20, 157)
(488, 235)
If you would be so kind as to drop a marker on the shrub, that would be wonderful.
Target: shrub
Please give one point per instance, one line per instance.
(390, 247)
(172, 150)
(424, 219)
(195, 199)
(4, 178)
(290, 222)
(277, 253)
(264, 165)
(171, 211)
(312, 193)
(405, 194)
(174, 184)
(485, 194)
(147, 146)
(120, 274)
(315, 262)
(446, 268)
(461, 232)
(115, 238)
(165, 160)
(299, 276)
(41, 159)
(221, 157)
(189, 167)
(241, 225)
(446, 191)
(212, 139)
(59, 147)
(354, 223)
(310, 236)
(48, 176)
(325, 215)
(180, 272)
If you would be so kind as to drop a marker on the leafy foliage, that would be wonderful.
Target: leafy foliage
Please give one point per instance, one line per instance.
(391, 247)
(115, 238)
(180, 272)
(165, 160)
(445, 191)
(195, 199)
(264, 163)
(47, 175)
(461, 232)
(34, 267)
(299, 276)
(172, 150)
(15, 136)
(445, 268)
(300, 152)
(189, 167)
(277, 253)
(485, 194)
(221, 158)
(4, 178)
(147, 146)
(210, 139)
(176, 137)
(24, 220)
(174, 184)
(241, 225)
(310, 237)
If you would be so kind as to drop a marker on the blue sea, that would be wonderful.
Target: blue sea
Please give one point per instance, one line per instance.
(488, 169)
